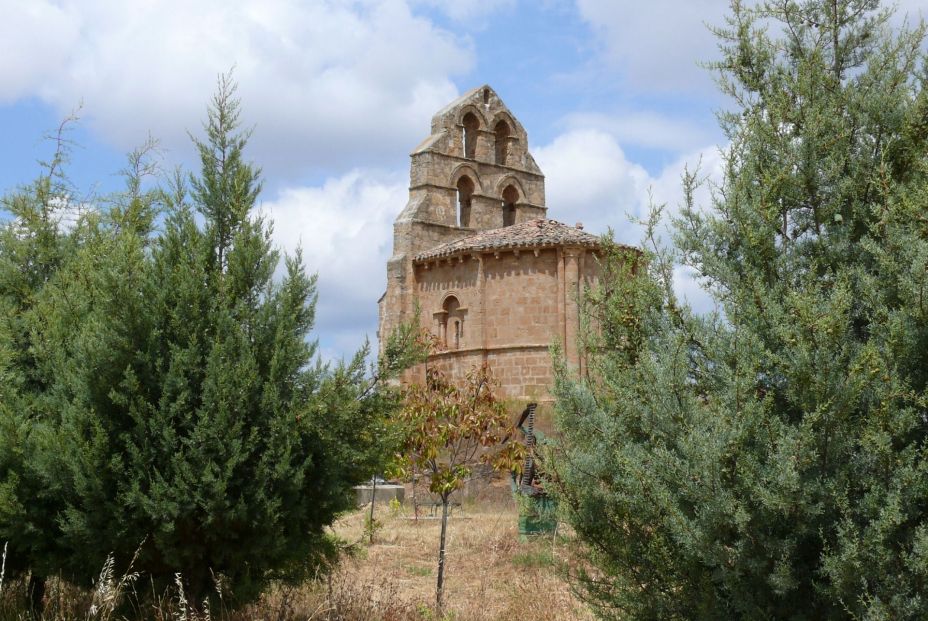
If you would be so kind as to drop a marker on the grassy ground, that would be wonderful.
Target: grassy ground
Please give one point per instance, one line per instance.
(490, 575)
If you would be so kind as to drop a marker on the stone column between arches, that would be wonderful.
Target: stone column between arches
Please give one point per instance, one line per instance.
(571, 272)
(481, 336)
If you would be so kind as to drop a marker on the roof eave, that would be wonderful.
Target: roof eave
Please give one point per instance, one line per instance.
(425, 258)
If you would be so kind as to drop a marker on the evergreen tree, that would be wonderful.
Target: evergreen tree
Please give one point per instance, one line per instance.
(770, 462)
(37, 235)
(188, 415)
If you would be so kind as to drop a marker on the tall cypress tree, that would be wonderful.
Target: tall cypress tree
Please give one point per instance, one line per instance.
(36, 240)
(192, 419)
(770, 462)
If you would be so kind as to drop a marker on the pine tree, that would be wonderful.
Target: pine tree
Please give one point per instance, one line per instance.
(769, 462)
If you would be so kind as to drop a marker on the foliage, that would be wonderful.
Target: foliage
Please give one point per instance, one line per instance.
(372, 526)
(183, 404)
(37, 236)
(450, 429)
(769, 462)
(534, 558)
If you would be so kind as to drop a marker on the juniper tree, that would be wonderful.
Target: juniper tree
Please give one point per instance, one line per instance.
(48, 246)
(190, 417)
(768, 462)
(37, 235)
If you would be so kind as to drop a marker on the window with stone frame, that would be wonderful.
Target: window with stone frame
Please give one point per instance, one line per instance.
(451, 325)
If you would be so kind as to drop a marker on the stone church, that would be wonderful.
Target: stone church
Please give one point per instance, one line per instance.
(492, 277)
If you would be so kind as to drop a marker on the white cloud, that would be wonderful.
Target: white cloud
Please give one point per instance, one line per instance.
(708, 166)
(36, 38)
(645, 128)
(329, 83)
(589, 179)
(658, 44)
(913, 10)
(345, 228)
(689, 291)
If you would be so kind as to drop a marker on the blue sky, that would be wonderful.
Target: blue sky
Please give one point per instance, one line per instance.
(340, 91)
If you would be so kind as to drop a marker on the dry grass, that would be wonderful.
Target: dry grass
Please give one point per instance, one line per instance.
(490, 575)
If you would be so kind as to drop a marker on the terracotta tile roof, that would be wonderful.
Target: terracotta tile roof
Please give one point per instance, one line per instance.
(531, 234)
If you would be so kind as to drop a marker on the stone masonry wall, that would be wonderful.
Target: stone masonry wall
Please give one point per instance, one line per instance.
(521, 298)
(512, 308)
(523, 373)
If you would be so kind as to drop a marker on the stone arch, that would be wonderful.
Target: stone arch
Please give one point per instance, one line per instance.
(471, 124)
(451, 321)
(450, 294)
(516, 132)
(470, 171)
(510, 198)
(501, 133)
(513, 181)
(465, 194)
(466, 184)
(472, 109)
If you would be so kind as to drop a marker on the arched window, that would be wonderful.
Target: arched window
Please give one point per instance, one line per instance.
(510, 197)
(471, 125)
(453, 327)
(502, 142)
(465, 193)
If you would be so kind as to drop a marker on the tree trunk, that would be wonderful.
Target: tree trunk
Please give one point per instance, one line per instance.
(37, 595)
(373, 497)
(440, 585)
(415, 500)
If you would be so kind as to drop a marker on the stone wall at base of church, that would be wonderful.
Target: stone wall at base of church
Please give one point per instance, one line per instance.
(523, 373)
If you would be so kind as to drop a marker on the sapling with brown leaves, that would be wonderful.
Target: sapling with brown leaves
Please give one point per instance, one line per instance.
(450, 428)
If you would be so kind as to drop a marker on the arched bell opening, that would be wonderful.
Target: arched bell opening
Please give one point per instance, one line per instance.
(471, 127)
(510, 198)
(501, 136)
(465, 199)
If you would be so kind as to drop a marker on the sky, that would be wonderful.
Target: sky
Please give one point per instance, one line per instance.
(612, 94)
